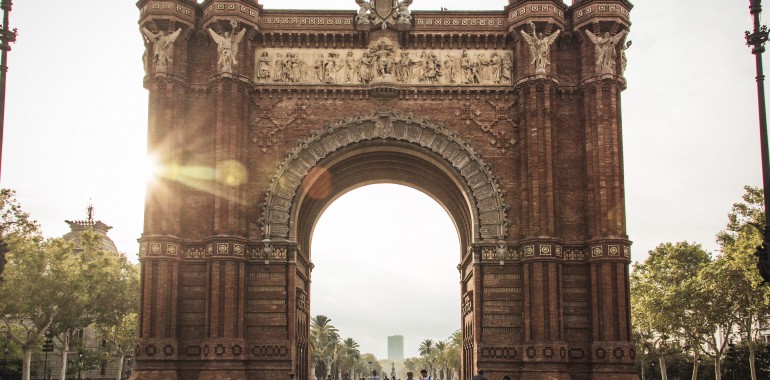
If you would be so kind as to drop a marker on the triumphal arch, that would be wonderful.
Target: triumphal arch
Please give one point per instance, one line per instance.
(509, 118)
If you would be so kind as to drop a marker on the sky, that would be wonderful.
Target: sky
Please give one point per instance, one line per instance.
(76, 123)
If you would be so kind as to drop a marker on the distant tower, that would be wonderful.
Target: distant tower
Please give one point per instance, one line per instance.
(396, 347)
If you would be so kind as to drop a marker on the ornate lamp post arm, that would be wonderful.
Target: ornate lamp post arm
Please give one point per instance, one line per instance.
(756, 40)
(7, 36)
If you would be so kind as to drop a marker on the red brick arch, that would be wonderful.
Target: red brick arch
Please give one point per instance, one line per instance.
(480, 188)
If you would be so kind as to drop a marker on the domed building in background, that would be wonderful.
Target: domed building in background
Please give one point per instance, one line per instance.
(78, 226)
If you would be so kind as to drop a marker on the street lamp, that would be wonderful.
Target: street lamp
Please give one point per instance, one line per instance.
(7, 36)
(128, 367)
(80, 364)
(756, 40)
(47, 347)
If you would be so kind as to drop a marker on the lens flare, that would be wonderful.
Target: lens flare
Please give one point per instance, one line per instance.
(231, 173)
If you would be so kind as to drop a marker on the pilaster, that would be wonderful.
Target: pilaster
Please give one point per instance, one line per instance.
(229, 105)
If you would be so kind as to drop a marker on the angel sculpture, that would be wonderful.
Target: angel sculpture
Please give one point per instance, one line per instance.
(623, 59)
(403, 14)
(604, 48)
(227, 47)
(539, 47)
(163, 48)
(364, 7)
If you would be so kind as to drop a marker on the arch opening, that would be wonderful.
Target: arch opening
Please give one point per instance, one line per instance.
(384, 262)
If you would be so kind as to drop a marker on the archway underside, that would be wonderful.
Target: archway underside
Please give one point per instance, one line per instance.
(380, 161)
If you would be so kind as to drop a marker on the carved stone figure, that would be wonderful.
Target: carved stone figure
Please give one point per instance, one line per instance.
(363, 12)
(279, 68)
(484, 64)
(404, 16)
(539, 47)
(495, 68)
(605, 51)
(263, 68)
(383, 54)
(470, 69)
(350, 68)
(450, 67)
(507, 69)
(333, 66)
(294, 68)
(404, 68)
(366, 67)
(227, 48)
(623, 59)
(320, 67)
(163, 48)
(432, 69)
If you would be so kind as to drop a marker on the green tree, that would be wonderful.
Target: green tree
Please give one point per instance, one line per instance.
(661, 297)
(411, 364)
(426, 351)
(323, 342)
(737, 242)
(441, 360)
(710, 319)
(350, 355)
(103, 287)
(118, 322)
(454, 353)
(14, 221)
(53, 286)
(31, 297)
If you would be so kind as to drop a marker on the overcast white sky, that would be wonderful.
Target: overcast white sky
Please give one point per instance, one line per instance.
(76, 120)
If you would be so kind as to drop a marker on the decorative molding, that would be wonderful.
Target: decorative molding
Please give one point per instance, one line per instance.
(294, 20)
(267, 123)
(498, 137)
(574, 255)
(488, 196)
(489, 22)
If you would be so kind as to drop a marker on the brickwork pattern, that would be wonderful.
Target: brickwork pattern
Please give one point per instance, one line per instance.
(253, 160)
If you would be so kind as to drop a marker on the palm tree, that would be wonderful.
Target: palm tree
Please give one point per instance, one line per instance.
(323, 341)
(426, 351)
(440, 355)
(350, 355)
(454, 353)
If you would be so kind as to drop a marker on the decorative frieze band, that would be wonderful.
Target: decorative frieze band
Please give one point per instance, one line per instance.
(489, 22)
(263, 252)
(503, 253)
(168, 8)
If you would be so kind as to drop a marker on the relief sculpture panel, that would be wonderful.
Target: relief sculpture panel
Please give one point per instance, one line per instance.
(383, 62)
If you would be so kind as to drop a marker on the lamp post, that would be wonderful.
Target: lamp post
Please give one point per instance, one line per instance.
(7, 36)
(47, 347)
(756, 39)
(80, 364)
